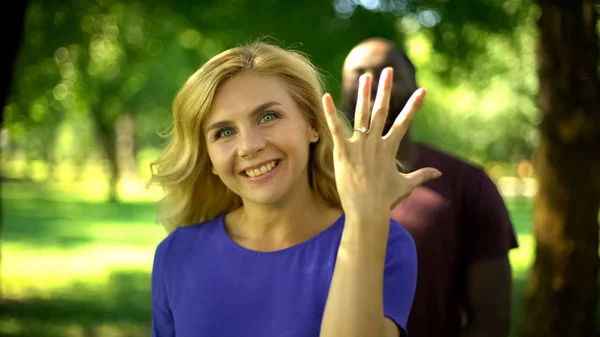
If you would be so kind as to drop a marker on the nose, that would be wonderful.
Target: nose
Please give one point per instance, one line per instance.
(251, 144)
(374, 82)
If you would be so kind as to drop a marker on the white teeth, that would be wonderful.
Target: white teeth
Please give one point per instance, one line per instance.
(261, 170)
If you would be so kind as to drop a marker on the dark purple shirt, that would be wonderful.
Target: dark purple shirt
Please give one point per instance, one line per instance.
(455, 220)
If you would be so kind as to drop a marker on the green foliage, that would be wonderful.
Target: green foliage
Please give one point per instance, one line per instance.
(84, 65)
(490, 113)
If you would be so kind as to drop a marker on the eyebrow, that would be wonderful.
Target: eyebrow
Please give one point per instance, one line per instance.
(255, 111)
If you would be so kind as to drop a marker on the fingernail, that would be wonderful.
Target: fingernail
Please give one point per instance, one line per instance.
(422, 91)
(362, 79)
(436, 174)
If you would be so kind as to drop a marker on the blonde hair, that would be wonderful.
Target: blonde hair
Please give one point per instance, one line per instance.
(183, 169)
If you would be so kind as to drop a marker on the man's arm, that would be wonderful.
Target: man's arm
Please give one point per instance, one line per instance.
(489, 237)
(488, 298)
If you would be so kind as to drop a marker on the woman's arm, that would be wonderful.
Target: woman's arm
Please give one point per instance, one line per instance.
(355, 302)
(369, 185)
(355, 296)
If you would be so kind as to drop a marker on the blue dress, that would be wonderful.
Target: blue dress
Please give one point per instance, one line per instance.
(206, 285)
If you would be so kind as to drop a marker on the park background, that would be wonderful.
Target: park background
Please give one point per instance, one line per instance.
(91, 93)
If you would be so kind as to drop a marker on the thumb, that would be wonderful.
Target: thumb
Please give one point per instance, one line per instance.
(421, 176)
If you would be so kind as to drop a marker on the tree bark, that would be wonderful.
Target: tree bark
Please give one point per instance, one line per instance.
(125, 132)
(48, 134)
(14, 17)
(562, 295)
(105, 131)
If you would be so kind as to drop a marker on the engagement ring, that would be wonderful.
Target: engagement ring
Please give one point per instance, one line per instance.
(361, 130)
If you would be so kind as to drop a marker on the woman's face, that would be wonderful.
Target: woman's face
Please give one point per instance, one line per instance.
(258, 140)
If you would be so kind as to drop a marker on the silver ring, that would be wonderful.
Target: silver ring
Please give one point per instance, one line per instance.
(361, 130)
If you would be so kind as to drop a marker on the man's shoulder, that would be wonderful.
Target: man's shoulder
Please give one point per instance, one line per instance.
(430, 156)
(474, 184)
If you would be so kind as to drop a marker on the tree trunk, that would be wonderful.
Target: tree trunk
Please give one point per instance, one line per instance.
(562, 295)
(29, 157)
(105, 131)
(49, 140)
(113, 180)
(125, 131)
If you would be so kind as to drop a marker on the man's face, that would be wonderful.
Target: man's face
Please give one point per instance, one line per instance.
(372, 58)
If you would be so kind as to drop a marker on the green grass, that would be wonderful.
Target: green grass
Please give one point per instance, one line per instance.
(75, 266)
(521, 258)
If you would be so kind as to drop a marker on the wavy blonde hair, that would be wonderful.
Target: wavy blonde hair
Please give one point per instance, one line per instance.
(183, 169)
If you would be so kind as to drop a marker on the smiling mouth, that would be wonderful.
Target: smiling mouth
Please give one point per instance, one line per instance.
(257, 172)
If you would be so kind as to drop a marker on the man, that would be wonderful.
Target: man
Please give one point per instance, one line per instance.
(459, 222)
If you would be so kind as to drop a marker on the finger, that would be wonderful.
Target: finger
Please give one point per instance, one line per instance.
(382, 101)
(405, 118)
(333, 121)
(421, 176)
(363, 115)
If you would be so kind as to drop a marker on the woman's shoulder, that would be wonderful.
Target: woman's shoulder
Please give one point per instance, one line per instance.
(185, 237)
(400, 242)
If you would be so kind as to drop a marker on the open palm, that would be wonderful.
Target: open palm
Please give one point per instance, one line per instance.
(366, 174)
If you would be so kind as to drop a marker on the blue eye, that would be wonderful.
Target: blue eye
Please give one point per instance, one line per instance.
(224, 133)
(269, 117)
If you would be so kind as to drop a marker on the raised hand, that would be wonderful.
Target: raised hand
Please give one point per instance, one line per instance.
(365, 168)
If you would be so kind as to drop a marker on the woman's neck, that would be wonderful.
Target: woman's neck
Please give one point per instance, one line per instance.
(272, 227)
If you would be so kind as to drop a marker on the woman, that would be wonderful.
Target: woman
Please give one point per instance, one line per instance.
(280, 225)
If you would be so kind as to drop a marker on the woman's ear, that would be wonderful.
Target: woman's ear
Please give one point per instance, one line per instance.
(314, 136)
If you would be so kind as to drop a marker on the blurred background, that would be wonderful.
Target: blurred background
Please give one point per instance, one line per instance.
(91, 92)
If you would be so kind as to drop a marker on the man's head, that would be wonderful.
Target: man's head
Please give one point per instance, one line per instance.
(372, 56)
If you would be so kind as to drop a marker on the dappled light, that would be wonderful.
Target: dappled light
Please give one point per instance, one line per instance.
(90, 109)
(118, 306)
(95, 260)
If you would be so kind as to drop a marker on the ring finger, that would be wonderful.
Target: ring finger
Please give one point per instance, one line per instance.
(363, 115)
